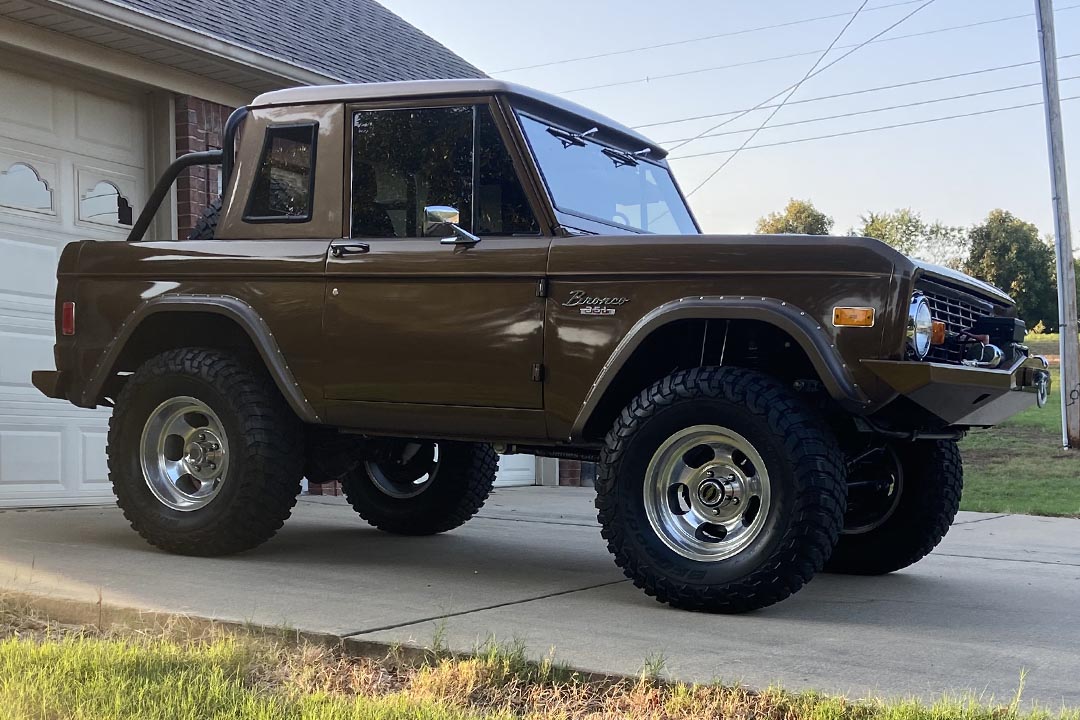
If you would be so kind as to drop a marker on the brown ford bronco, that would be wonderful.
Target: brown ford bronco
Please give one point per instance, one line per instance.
(404, 279)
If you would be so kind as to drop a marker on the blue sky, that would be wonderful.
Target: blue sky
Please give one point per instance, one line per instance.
(954, 171)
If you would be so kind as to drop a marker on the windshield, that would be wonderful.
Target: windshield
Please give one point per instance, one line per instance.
(610, 185)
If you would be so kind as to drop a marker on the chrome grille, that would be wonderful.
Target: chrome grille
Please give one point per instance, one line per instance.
(959, 313)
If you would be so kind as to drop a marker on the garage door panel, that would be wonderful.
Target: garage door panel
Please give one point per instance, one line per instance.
(35, 112)
(28, 269)
(31, 457)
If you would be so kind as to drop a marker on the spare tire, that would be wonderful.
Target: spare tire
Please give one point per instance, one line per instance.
(206, 226)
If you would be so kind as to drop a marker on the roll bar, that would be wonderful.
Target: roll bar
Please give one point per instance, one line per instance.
(225, 158)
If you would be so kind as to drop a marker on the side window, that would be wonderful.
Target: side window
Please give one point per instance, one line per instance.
(406, 160)
(501, 205)
(283, 186)
(409, 159)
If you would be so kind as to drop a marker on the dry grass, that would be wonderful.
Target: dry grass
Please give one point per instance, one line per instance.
(184, 669)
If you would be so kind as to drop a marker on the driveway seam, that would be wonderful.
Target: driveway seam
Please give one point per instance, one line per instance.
(1003, 559)
(979, 520)
(540, 522)
(510, 603)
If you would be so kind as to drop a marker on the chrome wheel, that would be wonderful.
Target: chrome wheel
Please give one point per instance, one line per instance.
(404, 469)
(184, 453)
(707, 493)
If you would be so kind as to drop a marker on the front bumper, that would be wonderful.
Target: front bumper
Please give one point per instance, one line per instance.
(970, 396)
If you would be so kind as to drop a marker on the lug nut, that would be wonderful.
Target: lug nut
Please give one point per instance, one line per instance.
(198, 467)
(213, 446)
(212, 466)
(202, 436)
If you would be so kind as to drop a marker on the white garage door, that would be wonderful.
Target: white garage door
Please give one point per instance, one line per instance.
(516, 470)
(72, 165)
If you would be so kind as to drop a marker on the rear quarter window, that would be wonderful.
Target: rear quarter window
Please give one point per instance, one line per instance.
(283, 188)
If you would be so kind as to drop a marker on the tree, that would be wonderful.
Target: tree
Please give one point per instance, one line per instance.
(799, 217)
(1009, 253)
(906, 231)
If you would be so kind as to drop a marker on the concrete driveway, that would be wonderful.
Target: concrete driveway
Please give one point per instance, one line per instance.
(1001, 595)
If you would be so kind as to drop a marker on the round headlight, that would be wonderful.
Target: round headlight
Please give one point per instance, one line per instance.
(920, 325)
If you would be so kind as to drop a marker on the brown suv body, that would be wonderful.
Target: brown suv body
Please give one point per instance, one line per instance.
(757, 404)
(489, 341)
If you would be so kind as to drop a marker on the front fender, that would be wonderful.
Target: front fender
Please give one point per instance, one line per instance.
(814, 339)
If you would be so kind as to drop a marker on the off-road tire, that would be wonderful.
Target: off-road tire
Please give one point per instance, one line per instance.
(262, 481)
(929, 500)
(206, 226)
(807, 477)
(457, 492)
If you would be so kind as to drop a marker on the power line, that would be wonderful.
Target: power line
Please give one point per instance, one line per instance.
(873, 129)
(794, 88)
(850, 93)
(820, 70)
(885, 109)
(703, 38)
(758, 61)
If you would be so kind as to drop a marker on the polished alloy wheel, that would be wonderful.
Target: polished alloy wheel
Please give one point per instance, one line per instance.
(184, 453)
(707, 493)
(404, 469)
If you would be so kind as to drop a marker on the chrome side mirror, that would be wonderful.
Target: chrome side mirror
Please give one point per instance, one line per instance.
(442, 220)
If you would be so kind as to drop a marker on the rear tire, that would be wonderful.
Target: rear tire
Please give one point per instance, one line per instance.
(204, 454)
(748, 431)
(421, 487)
(933, 480)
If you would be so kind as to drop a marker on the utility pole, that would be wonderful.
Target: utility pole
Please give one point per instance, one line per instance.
(1059, 189)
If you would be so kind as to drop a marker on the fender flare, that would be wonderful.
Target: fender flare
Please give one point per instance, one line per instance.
(807, 332)
(227, 306)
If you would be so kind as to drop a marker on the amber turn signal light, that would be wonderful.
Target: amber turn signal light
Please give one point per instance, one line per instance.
(67, 318)
(853, 317)
(937, 333)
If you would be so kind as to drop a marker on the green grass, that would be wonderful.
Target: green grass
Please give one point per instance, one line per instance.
(116, 679)
(1020, 467)
(50, 672)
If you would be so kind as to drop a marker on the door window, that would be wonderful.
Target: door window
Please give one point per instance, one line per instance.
(406, 160)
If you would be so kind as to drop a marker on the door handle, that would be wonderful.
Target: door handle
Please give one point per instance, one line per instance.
(343, 249)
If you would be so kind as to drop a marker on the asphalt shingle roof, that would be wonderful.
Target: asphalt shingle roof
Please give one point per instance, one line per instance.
(350, 40)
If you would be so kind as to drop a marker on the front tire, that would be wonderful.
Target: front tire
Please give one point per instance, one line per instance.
(928, 497)
(409, 487)
(719, 491)
(204, 453)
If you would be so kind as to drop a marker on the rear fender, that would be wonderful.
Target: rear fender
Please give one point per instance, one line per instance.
(225, 305)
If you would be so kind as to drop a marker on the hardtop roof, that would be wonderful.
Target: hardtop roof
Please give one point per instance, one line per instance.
(442, 88)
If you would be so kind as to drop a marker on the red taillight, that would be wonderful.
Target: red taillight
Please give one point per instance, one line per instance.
(67, 318)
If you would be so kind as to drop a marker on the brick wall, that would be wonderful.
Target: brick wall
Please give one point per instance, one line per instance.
(200, 125)
(575, 473)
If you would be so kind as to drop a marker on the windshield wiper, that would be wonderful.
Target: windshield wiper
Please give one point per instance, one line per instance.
(622, 157)
(568, 138)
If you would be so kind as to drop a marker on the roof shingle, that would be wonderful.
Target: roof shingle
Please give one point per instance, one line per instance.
(348, 40)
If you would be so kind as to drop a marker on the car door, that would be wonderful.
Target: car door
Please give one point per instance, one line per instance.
(434, 299)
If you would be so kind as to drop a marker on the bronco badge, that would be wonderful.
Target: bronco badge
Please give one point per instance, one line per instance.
(589, 305)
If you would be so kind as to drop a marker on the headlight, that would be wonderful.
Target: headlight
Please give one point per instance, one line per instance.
(920, 325)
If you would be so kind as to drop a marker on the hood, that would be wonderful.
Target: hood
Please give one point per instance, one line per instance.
(958, 278)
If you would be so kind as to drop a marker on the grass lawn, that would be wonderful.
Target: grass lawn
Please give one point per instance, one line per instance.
(51, 672)
(1019, 466)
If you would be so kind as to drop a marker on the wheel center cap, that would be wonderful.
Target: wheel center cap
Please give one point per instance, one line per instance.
(716, 492)
(203, 455)
(711, 493)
